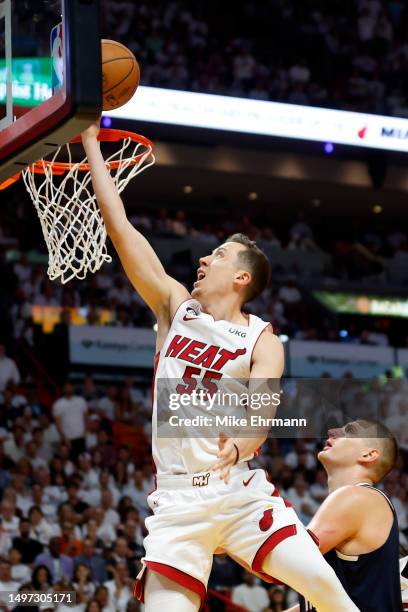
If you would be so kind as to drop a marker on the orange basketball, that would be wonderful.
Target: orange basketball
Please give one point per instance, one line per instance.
(120, 74)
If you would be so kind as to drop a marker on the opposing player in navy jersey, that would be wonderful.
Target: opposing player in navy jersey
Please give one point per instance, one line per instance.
(356, 526)
(208, 500)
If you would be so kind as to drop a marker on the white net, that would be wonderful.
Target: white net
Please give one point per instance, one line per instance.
(70, 219)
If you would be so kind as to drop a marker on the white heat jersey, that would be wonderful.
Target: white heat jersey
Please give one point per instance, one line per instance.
(197, 346)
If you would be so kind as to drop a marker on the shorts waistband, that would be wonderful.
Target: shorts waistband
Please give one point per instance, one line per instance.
(200, 479)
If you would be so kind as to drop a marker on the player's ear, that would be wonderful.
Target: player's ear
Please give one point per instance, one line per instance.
(242, 278)
(369, 455)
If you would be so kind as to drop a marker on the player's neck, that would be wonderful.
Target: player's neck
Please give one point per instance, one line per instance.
(225, 310)
(346, 477)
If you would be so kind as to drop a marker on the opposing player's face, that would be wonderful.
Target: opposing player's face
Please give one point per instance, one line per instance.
(219, 272)
(346, 445)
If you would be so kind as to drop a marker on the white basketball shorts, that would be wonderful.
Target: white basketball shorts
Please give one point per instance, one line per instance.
(198, 515)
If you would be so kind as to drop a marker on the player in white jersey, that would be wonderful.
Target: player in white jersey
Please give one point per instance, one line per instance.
(207, 499)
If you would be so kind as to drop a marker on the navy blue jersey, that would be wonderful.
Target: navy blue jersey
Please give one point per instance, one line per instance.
(371, 580)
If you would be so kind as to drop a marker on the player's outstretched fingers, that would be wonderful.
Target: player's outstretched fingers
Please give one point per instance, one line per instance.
(222, 440)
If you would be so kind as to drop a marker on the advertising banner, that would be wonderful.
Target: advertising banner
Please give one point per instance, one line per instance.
(313, 359)
(112, 346)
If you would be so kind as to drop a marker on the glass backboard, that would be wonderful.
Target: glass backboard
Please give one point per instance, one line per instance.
(50, 76)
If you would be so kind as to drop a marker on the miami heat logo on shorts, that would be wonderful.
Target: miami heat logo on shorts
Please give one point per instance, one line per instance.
(267, 520)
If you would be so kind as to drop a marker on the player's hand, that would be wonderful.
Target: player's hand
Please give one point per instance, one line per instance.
(227, 457)
(92, 132)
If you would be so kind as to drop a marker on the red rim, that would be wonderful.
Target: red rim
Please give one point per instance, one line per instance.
(105, 135)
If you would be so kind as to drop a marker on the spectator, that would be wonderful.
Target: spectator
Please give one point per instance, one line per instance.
(299, 73)
(14, 445)
(9, 520)
(302, 501)
(70, 414)
(366, 26)
(41, 579)
(277, 599)
(122, 554)
(93, 605)
(83, 582)
(44, 450)
(300, 457)
(60, 566)
(8, 369)
(106, 406)
(71, 546)
(133, 533)
(225, 574)
(6, 581)
(137, 492)
(250, 595)
(94, 562)
(244, 66)
(319, 490)
(102, 596)
(19, 571)
(32, 454)
(105, 530)
(28, 547)
(119, 588)
(289, 293)
(22, 269)
(75, 502)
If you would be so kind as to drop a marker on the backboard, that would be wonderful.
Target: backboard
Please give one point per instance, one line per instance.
(50, 77)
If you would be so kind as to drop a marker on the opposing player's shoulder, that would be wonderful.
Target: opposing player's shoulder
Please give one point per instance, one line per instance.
(339, 518)
(350, 501)
(347, 495)
(357, 496)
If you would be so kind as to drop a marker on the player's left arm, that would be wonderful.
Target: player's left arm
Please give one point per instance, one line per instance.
(339, 518)
(266, 370)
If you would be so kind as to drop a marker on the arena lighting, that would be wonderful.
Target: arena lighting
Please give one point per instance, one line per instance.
(329, 148)
(155, 327)
(106, 122)
(187, 189)
(252, 196)
(283, 338)
(377, 209)
(241, 115)
(343, 333)
(363, 304)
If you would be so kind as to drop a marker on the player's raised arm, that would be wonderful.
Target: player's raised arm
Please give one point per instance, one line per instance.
(161, 293)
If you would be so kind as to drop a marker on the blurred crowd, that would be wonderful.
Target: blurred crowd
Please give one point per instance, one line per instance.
(108, 298)
(349, 54)
(73, 493)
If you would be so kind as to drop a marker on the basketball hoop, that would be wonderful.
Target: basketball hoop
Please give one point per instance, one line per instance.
(62, 193)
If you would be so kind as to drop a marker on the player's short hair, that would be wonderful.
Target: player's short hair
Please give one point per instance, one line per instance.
(389, 448)
(256, 262)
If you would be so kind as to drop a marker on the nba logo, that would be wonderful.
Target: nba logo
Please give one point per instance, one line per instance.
(57, 57)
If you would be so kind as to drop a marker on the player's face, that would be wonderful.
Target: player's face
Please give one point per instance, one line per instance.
(346, 445)
(219, 272)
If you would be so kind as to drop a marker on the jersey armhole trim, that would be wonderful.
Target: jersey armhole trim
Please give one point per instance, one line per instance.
(267, 324)
(344, 557)
(178, 308)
